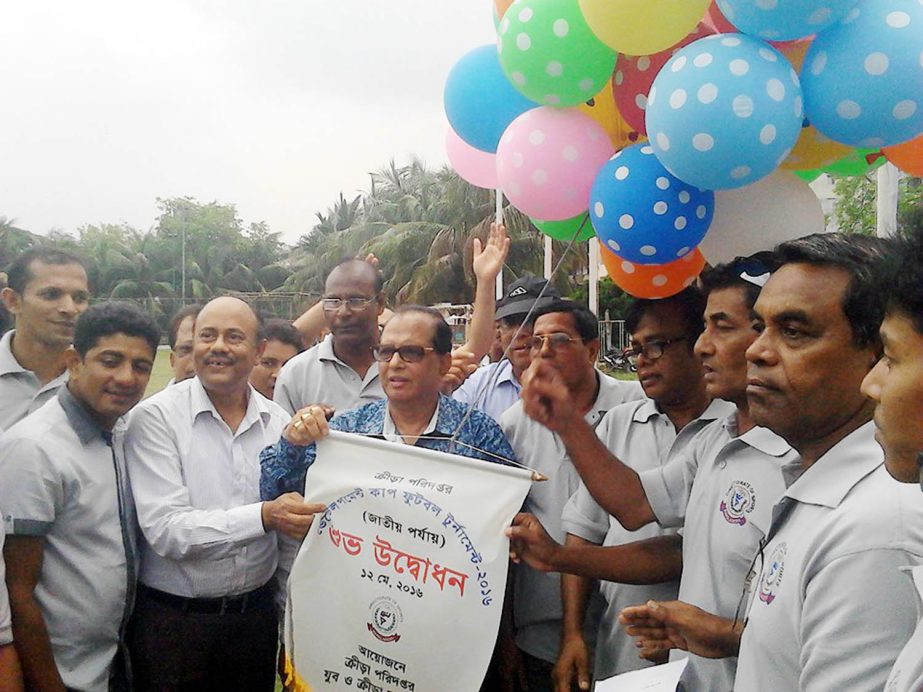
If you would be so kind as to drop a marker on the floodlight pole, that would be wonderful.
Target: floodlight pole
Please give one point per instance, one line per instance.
(549, 256)
(594, 275)
(886, 201)
(498, 218)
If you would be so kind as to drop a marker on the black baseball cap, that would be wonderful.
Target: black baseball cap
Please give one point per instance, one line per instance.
(522, 294)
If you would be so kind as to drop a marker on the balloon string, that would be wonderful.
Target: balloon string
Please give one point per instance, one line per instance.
(494, 376)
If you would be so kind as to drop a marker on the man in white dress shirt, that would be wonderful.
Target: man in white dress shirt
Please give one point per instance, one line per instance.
(895, 384)
(47, 291)
(205, 615)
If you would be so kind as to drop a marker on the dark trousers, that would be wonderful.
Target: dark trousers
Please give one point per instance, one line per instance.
(175, 651)
(538, 673)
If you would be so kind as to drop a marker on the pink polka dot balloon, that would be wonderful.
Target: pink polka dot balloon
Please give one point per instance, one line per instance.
(633, 76)
(547, 160)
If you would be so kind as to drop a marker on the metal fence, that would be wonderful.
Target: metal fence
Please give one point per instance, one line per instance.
(612, 336)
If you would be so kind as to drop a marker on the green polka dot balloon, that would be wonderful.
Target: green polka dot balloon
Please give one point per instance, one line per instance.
(549, 53)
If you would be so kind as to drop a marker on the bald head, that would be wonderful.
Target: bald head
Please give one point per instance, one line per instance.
(227, 344)
(236, 309)
(355, 272)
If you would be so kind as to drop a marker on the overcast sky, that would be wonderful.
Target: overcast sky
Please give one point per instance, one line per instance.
(273, 105)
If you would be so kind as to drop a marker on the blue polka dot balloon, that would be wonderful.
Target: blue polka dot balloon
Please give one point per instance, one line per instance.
(863, 77)
(784, 20)
(724, 111)
(643, 213)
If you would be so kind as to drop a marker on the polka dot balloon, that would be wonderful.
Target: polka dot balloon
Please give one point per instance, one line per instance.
(724, 111)
(643, 213)
(652, 280)
(783, 20)
(863, 77)
(634, 75)
(550, 54)
(547, 160)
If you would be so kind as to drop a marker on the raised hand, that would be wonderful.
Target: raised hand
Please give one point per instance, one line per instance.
(488, 260)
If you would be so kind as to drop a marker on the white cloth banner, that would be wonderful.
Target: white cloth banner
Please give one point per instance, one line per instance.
(399, 585)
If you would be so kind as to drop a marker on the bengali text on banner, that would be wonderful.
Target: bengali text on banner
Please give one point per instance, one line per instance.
(400, 583)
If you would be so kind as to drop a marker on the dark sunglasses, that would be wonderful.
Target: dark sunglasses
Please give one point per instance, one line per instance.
(408, 354)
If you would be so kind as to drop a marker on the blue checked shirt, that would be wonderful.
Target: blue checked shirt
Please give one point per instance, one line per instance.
(283, 466)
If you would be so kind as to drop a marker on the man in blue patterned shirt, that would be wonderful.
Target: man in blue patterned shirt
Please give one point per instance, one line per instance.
(413, 357)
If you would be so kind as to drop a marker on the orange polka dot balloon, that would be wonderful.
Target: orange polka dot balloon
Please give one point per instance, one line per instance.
(652, 280)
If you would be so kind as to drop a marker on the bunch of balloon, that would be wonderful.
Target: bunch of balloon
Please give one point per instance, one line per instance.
(718, 111)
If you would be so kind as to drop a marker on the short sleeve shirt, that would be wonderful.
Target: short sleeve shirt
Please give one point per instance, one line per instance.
(537, 606)
(642, 437)
(830, 609)
(491, 389)
(6, 628)
(62, 482)
(721, 489)
(21, 392)
(907, 673)
(317, 376)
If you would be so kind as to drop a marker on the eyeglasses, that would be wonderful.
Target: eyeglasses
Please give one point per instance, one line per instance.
(408, 354)
(651, 350)
(331, 304)
(556, 340)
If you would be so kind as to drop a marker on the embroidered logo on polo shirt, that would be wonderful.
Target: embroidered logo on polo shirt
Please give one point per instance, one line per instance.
(772, 575)
(738, 502)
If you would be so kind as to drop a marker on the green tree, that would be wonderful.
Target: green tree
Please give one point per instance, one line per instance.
(855, 210)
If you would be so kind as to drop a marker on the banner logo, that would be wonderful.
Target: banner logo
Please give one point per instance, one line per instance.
(386, 618)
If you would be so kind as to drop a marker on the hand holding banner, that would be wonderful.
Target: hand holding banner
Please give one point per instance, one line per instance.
(399, 584)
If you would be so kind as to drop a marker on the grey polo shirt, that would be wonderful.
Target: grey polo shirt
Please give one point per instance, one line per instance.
(642, 437)
(830, 609)
(6, 629)
(537, 608)
(21, 392)
(62, 482)
(317, 376)
(721, 490)
(907, 673)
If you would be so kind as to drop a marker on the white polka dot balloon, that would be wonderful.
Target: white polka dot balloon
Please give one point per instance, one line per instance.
(549, 53)
(547, 160)
(724, 111)
(643, 213)
(863, 77)
(784, 20)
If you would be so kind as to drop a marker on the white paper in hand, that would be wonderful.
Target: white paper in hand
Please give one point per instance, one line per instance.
(662, 678)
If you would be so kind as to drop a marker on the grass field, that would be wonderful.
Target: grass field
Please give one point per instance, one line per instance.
(161, 373)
